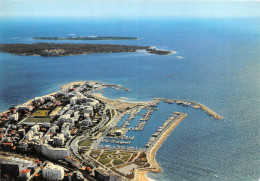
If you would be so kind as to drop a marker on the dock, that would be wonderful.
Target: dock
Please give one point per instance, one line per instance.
(117, 87)
(134, 113)
(147, 115)
(164, 127)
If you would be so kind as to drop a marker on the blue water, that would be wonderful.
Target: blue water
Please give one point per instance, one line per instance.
(221, 70)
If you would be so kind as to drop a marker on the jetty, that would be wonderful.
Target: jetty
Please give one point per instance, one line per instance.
(147, 115)
(195, 105)
(155, 142)
(135, 111)
(117, 87)
(172, 119)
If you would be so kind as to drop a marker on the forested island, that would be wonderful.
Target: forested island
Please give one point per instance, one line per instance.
(53, 49)
(87, 38)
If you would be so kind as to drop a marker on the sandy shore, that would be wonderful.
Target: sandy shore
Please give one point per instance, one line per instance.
(120, 103)
(142, 176)
(74, 83)
(157, 145)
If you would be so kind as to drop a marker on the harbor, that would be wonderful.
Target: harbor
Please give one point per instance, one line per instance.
(145, 126)
(125, 128)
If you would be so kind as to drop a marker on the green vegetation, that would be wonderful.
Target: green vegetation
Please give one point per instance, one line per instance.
(64, 49)
(118, 162)
(37, 120)
(126, 157)
(56, 111)
(40, 113)
(104, 161)
(104, 155)
(95, 152)
(85, 142)
(109, 165)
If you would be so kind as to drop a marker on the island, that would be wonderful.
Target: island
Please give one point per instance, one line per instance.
(87, 38)
(55, 49)
(78, 133)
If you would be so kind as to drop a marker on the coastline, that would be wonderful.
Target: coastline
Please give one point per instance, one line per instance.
(122, 104)
(65, 49)
(73, 83)
(64, 86)
(152, 153)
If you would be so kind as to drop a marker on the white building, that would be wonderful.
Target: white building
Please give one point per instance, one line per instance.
(53, 153)
(65, 127)
(86, 122)
(88, 110)
(53, 172)
(21, 107)
(60, 92)
(53, 129)
(65, 130)
(48, 137)
(48, 98)
(29, 135)
(35, 128)
(14, 117)
(38, 99)
(73, 100)
(25, 173)
(40, 134)
(67, 119)
(59, 140)
(69, 94)
(92, 102)
(7, 139)
(66, 134)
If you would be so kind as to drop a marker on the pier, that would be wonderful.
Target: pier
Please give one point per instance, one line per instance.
(134, 113)
(139, 126)
(147, 115)
(117, 87)
(195, 105)
(156, 143)
(164, 127)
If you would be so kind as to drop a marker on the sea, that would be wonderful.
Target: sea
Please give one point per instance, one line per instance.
(217, 64)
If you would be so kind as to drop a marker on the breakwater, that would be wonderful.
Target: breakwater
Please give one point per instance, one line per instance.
(195, 105)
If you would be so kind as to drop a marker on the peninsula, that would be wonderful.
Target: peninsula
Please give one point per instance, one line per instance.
(87, 38)
(77, 132)
(54, 49)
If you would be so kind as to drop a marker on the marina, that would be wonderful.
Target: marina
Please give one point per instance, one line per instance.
(147, 115)
(134, 113)
(144, 128)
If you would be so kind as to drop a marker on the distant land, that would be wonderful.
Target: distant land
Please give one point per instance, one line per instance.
(87, 38)
(63, 49)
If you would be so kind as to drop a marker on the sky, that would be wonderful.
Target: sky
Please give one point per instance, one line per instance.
(129, 8)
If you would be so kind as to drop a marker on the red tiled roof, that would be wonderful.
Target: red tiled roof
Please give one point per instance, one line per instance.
(26, 171)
